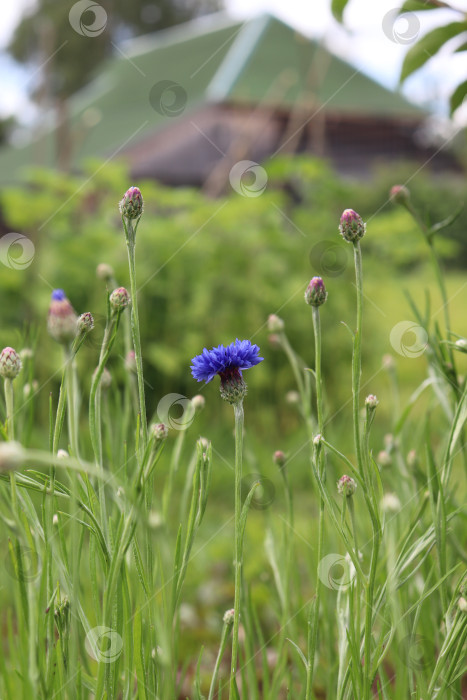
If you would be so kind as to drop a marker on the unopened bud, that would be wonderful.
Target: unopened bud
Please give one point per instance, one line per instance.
(315, 293)
(292, 397)
(399, 194)
(198, 402)
(351, 226)
(346, 485)
(371, 401)
(119, 299)
(229, 616)
(160, 431)
(130, 361)
(10, 363)
(85, 322)
(383, 458)
(390, 503)
(318, 439)
(105, 272)
(62, 454)
(275, 324)
(131, 205)
(462, 604)
(279, 458)
(389, 363)
(11, 456)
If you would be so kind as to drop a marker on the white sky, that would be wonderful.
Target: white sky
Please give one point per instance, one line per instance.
(363, 42)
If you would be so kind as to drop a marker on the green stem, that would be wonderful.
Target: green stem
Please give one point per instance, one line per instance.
(130, 240)
(320, 471)
(357, 357)
(238, 412)
(74, 525)
(9, 401)
(224, 638)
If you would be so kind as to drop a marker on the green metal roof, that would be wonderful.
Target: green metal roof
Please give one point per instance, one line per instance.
(214, 59)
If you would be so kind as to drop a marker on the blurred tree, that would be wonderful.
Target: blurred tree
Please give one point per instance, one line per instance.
(7, 124)
(432, 42)
(66, 43)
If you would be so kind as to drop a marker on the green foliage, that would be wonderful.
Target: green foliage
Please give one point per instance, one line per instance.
(210, 271)
(429, 45)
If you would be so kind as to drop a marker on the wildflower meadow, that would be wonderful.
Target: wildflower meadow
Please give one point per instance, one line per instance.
(128, 572)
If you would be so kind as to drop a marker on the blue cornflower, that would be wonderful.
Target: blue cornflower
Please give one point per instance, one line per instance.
(228, 362)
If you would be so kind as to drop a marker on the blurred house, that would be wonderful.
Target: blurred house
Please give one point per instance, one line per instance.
(187, 103)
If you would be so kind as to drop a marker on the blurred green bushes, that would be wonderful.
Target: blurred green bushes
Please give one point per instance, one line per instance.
(213, 270)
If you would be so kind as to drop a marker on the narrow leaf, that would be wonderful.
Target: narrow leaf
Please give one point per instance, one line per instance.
(428, 46)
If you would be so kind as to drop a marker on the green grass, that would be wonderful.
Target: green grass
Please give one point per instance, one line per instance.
(119, 557)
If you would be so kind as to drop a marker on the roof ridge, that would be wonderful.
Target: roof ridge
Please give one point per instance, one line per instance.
(192, 29)
(237, 57)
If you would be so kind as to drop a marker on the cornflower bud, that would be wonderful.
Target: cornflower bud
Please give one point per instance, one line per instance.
(351, 226)
(198, 402)
(105, 272)
(399, 194)
(371, 401)
(275, 324)
(346, 486)
(130, 361)
(316, 293)
(279, 458)
(131, 205)
(160, 431)
(229, 617)
(119, 299)
(10, 363)
(85, 323)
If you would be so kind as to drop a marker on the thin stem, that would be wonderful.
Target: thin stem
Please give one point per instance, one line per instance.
(357, 357)
(238, 412)
(130, 240)
(320, 471)
(224, 638)
(9, 401)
